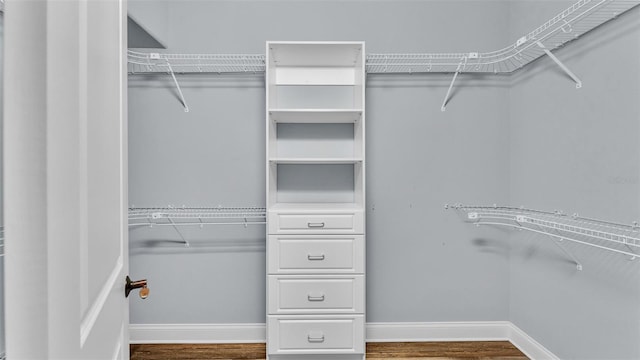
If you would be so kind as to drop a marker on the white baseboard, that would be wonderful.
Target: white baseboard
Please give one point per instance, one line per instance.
(438, 331)
(376, 332)
(196, 333)
(528, 345)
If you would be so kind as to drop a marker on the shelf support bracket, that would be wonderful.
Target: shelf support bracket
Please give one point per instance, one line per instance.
(557, 239)
(175, 81)
(562, 66)
(567, 252)
(455, 76)
(186, 243)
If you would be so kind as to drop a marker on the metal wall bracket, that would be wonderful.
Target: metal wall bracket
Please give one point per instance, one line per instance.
(461, 65)
(562, 66)
(173, 75)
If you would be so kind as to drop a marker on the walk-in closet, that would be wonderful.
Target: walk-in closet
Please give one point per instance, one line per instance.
(328, 179)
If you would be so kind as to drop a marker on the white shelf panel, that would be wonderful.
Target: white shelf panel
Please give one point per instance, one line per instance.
(315, 76)
(316, 207)
(335, 54)
(315, 115)
(312, 161)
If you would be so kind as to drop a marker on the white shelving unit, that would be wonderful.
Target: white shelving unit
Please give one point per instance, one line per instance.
(604, 235)
(315, 200)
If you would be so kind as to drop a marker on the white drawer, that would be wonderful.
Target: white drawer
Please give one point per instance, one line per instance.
(316, 295)
(337, 223)
(316, 335)
(304, 254)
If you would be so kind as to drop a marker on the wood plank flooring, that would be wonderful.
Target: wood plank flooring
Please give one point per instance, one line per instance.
(503, 350)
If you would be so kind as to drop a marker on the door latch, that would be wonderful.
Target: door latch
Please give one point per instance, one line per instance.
(138, 284)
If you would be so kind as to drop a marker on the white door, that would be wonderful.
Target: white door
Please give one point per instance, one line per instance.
(65, 179)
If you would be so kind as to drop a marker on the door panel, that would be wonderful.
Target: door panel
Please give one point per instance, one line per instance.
(65, 116)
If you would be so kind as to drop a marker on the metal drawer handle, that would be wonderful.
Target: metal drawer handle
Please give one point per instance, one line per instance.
(315, 339)
(315, 257)
(315, 225)
(315, 298)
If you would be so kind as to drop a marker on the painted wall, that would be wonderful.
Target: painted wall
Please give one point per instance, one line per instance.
(577, 151)
(422, 263)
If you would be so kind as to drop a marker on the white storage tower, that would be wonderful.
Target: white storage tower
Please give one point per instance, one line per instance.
(315, 200)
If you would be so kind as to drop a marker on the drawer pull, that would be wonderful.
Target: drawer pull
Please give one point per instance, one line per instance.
(315, 225)
(315, 257)
(315, 298)
(319, 339)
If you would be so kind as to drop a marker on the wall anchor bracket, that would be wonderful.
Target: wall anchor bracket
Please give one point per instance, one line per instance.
(461, 65)
(173, 75)
(562, 66)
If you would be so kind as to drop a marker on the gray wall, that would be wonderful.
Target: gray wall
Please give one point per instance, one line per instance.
(423, 264)
(531, 139)
(578, 151)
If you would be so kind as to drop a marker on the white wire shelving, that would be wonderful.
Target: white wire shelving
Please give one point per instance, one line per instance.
(604, 235)
(177, 217)
(578, 19)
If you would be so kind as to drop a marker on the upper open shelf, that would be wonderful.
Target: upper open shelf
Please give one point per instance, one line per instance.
(578, 19)
(315, 115)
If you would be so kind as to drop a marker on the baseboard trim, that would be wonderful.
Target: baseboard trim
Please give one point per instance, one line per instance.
(438, 331)
(376, 332)
(196, 333)
(528, 345)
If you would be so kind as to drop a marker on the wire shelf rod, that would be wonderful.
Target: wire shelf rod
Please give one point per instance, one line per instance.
(605, 235)
(600, 235)
(571, 23)
(199, 223)
(575, 217)
(172, 216)
(560, 237)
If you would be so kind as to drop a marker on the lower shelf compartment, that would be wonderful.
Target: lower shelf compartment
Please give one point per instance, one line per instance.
(315, 335)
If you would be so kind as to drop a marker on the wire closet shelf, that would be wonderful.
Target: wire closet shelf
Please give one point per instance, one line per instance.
(578, 19)
(196, 216)
(605, 235)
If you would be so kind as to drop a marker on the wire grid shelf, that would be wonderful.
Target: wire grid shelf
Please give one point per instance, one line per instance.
(191, 216)
(605, 235)
(580, 18)
(140, 62)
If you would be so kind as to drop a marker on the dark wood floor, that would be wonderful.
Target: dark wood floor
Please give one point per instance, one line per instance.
(398, 351)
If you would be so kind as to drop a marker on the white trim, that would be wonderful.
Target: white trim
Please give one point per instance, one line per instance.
(528, 345)
(196, 333)
(438, 331)
(90, 318)
(376, 332)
